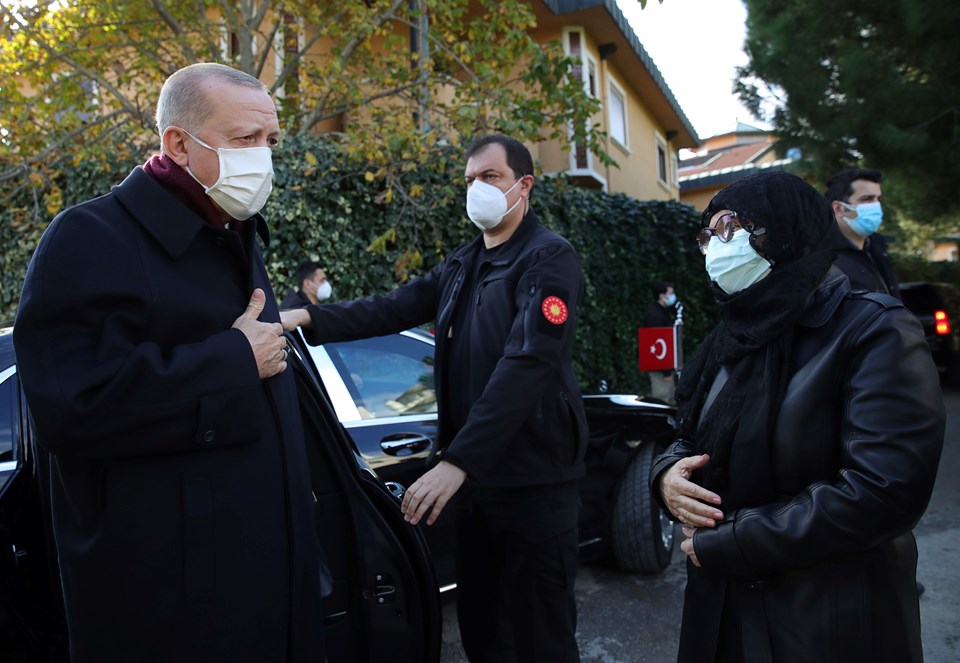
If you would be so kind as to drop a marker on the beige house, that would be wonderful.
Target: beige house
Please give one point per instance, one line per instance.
(946, 248)
(725, 158)
(645, 125)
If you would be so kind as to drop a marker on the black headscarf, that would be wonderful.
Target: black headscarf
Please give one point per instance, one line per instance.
(755, 336)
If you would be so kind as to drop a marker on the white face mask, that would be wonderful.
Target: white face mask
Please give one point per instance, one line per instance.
(487, 205)
(324, 290)
(735, 265)
(245, 182)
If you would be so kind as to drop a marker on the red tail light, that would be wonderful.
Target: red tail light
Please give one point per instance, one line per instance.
(943, 322)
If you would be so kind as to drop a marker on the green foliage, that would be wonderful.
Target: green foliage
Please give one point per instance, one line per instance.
(325, 207)
(918, 269)
(863, 82)
(625, 245)
(328, 208)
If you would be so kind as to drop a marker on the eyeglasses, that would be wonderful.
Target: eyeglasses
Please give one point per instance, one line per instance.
(724, 228)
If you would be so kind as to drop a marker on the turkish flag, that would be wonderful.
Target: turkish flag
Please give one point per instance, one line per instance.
(659, 348)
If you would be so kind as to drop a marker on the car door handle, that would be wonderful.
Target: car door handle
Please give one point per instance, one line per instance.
(404, 444)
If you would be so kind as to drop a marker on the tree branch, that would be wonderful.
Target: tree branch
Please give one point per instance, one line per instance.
(269, 47)
(174, 26)
(319, 115)
(24, 166)
(438, 43)
(314, 116)
(92, 75)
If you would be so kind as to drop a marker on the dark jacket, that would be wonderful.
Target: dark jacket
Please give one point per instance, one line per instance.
(527, 425)
(181, 501)
(827, 572)
(659, 316)
(294, 299)
(869, 268)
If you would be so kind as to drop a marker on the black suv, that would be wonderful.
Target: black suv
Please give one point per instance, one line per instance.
(937, 306)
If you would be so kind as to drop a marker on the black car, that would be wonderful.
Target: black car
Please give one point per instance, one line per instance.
(937, 306)
(382, 389)
(370, 420)
(384, 602)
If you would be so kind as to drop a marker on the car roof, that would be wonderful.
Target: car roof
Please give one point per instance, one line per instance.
(936, 285)
(8, 357)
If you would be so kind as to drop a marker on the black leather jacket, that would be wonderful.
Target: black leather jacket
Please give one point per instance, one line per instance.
(827, 571)
(869, 268)
(527, 424)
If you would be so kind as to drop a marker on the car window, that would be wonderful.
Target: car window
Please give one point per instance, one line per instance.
(387, 376)
(9, 425)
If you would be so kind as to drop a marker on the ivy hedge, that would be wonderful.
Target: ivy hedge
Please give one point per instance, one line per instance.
(371, 234)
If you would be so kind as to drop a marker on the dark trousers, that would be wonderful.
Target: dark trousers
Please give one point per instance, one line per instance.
(516, 565)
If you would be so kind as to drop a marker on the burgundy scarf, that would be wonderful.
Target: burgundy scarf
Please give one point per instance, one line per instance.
(187, 190)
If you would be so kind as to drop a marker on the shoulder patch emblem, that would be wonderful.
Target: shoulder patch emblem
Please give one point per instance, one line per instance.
(554, 310)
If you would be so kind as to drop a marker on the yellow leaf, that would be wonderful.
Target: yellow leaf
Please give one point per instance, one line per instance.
(312, 160)
(368, 176)
(416, 190)
(389, 197)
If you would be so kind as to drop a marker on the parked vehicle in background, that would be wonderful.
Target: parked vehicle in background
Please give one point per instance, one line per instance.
(382, 390)
(937, 306)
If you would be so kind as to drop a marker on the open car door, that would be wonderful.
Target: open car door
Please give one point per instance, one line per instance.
(381, 598)
(32, 624)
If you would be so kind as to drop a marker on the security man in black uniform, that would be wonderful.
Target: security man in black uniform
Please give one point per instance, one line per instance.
(512, 429)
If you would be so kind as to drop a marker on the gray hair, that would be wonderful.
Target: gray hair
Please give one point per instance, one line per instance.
(183, 103)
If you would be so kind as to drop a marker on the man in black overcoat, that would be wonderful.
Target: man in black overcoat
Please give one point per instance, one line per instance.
(149, 347)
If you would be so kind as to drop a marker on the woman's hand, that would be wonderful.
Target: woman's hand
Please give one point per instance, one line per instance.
(689, 503)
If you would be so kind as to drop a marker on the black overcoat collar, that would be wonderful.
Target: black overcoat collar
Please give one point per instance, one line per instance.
(151, 205)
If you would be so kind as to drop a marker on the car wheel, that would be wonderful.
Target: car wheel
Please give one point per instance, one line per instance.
(641, 532)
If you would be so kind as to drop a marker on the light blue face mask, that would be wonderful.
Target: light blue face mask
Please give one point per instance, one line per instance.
(868, 219)
(671, 299)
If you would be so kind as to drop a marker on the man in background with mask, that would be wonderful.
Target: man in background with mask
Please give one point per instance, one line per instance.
(149, 347)
(512, 429)
(855, 195)
(314, 287)
(662, 313)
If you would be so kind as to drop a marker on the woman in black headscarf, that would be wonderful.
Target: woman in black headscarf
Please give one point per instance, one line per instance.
(810, 424)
